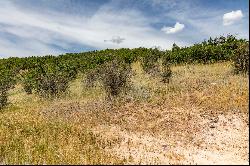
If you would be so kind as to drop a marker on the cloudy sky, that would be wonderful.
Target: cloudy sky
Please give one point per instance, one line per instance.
(42, 27)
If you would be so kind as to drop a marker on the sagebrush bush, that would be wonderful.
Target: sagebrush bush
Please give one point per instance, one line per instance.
(166, 70)
(49, 80)
(150, 62)
(241, 58)
(26, 81)
(3, 98)
(27, 88)
(6, 82)
(92, 76)
(166, 74)
(115, 77)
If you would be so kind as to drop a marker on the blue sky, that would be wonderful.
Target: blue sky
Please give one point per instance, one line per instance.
(51, 27)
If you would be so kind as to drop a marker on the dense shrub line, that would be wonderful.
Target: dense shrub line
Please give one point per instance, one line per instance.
(50, 75)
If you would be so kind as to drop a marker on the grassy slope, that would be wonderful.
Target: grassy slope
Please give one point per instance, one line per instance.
(83, 128)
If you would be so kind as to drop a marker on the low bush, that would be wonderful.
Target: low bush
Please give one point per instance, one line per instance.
(49, 79)
(166, 70)
(115, 77)
(92, 76)
(150, 62)
(6, 82)
(241, 58)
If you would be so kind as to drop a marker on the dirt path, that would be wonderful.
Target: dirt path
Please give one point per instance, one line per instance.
(221, 140)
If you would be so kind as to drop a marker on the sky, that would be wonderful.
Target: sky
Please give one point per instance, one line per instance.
(53, 27)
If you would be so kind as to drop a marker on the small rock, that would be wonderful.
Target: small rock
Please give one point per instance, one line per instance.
(215, 120)
(212, 126)
(164, 147)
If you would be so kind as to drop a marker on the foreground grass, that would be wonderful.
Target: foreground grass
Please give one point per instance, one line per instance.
(83, 128)
(27, 138)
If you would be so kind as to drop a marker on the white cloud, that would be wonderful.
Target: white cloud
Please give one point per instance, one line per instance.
(171, 30)
(38, 30)
(43, 30)
(208, 23)
(232, 17)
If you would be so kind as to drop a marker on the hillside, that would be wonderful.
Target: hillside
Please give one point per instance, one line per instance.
(128, 106)
(200, 117)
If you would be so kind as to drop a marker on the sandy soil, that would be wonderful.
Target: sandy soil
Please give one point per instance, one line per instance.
(220, 140)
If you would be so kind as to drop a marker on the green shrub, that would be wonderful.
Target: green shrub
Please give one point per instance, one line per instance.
(241, 58)
(26, 81)
(49, 79)
(27, 88)
(166, 70)
(150, 61)
(6, 82)
(3, 98)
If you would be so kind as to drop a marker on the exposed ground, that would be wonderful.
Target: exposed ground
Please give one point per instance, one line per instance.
(201, 117)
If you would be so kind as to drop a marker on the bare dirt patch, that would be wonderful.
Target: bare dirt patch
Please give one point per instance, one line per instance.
(220, 140)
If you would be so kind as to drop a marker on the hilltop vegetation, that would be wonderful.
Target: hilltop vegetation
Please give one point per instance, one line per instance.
(50, 75)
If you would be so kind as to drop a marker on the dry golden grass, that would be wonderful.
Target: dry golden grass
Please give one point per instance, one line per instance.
(26, 137)
(141, 127)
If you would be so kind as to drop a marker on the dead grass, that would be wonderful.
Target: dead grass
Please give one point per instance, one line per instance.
(149, 125)
(29, 138)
